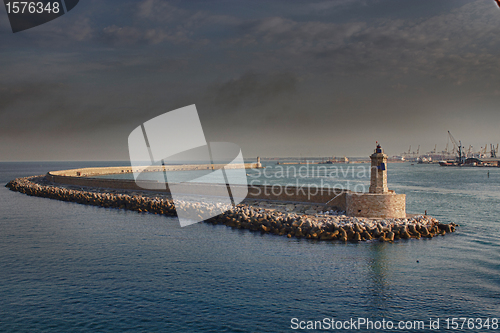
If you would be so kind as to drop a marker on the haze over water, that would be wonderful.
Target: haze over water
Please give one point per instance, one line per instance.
(69, 267)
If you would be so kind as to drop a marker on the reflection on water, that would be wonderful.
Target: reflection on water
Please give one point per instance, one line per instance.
(377, 275)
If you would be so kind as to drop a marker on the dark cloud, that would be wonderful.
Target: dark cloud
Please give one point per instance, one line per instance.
(438, 46)
(13, 94)
(156, 21)
(280, 76)
(250, 90)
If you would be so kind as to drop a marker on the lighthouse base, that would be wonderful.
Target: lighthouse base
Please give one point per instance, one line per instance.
(374, 205)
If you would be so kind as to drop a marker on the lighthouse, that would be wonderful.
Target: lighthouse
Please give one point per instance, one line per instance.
(379, 201)
(378, 181)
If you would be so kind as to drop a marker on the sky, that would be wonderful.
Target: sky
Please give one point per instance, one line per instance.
(276, 77)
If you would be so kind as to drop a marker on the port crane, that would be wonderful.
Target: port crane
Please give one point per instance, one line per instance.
(493, 151)
(445, 151)
(483, 151)
(461, 156)
(469, 151)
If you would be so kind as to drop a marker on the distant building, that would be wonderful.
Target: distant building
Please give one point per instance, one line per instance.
(490, 161)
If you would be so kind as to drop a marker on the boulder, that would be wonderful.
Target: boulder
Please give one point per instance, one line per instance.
(366, 235)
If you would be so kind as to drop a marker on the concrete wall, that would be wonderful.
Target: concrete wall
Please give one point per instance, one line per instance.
(88, 172)
(83, 177)
(332, 197)
(376, 205)
(95, 182)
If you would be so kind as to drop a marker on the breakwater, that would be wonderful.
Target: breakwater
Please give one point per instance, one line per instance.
(300, 220)
(334, 197)
(89, 172)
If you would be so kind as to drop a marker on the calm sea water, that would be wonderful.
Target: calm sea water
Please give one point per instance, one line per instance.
(66, 267)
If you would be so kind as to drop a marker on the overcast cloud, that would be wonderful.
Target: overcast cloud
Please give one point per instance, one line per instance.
(279, 78)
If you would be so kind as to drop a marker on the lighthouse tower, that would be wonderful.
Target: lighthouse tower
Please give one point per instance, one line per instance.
(379, 202)
(378, 182)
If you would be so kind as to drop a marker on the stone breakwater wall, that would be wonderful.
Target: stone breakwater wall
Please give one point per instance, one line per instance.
(89, 172)
(335, 198)
(289, 220)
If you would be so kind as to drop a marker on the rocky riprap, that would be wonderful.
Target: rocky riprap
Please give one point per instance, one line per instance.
(290, 220)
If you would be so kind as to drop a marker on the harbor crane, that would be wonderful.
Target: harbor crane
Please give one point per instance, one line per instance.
(460, 153)
(493, 151)
(445, 151)
(469, 151)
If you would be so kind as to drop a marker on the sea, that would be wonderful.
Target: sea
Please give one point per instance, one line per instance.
(66, 267)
